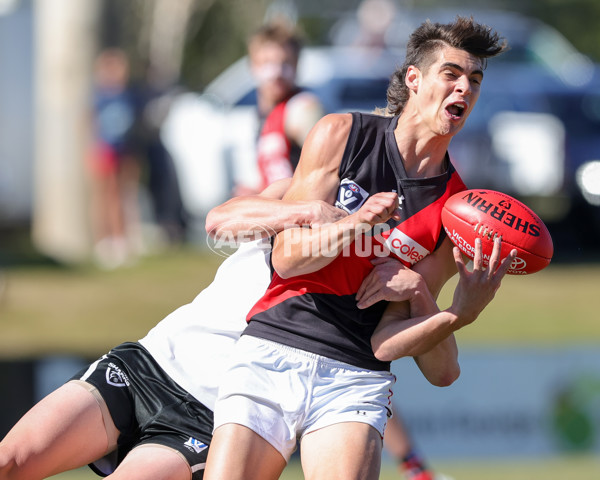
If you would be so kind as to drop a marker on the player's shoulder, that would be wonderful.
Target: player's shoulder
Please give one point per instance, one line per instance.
(377, 118)
(333, 122)
(322, 152)
(331, 132)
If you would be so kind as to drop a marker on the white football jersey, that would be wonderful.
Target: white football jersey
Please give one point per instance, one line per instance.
(193, 343)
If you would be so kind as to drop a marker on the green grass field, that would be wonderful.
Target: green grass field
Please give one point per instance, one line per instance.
(48, 309)
(566, 468)
(45, 309)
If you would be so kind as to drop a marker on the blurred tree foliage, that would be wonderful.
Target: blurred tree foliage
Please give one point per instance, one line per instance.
(215, 31)
(214, 35)
(577, 20)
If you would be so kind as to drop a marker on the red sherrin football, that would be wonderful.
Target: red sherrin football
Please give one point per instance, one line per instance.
(487, 214)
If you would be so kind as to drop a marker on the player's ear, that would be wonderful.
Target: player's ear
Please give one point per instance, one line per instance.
(413, 77)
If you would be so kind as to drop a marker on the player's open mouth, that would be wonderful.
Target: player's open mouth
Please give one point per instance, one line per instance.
(456, 110)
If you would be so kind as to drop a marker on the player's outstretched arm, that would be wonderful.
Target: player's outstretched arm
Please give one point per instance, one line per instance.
(435, 352)
(265, 214)
(429, 338)
(300, 251)
(413, 293)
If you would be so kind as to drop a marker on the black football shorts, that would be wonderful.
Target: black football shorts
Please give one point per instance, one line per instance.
(148, 407)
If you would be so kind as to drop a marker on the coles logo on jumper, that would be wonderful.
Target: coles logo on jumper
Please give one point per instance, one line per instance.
(351, 196)
(405, 247)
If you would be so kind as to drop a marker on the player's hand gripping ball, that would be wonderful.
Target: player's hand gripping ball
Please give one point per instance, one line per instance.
(488, 214)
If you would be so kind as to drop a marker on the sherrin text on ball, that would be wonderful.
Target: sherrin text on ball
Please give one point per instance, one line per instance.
(487, 214)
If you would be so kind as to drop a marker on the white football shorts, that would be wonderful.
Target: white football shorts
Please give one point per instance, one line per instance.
(283, 393)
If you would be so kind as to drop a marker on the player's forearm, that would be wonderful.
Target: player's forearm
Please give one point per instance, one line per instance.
(417, 328)
(440, 364)
(300, 251)
(397, 336)
(244, 217)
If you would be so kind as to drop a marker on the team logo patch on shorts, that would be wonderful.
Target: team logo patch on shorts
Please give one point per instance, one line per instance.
(116, 377)
(351, 196)
(194, 445)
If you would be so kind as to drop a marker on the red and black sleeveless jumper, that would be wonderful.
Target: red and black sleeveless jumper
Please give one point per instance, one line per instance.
(317, 312)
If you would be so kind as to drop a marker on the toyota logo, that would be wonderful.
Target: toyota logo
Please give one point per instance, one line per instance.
(518, 264)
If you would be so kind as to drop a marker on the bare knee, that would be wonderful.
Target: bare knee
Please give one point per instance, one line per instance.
(10, 469)
(18, 462)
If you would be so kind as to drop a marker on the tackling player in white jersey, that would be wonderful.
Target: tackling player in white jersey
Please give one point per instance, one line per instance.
(144, 410)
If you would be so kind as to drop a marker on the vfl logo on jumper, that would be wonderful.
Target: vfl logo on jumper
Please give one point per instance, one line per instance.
(116, 377)
(405, 247)
(194, 445)
(351, 196)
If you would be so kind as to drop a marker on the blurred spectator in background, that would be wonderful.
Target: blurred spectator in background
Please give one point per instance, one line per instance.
(374, 19)
(373, 25)
(162, 182)
(127, 156)
(114, 162)
(286, 112)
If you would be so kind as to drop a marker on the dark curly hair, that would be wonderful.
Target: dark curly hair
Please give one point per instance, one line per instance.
(464, 33)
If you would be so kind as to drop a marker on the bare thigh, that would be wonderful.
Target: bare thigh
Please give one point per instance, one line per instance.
(348, 451)
(65, 430)
(152, 461)
(238, 453)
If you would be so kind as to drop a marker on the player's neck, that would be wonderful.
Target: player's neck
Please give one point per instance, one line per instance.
(423, 152)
